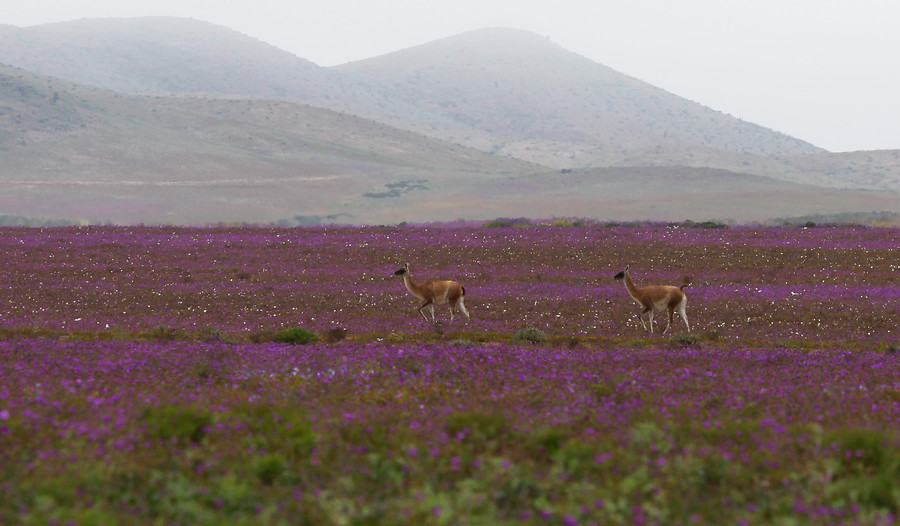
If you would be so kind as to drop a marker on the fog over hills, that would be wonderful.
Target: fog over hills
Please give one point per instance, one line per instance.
(526, 97)
(105, 156)
(177, 120)
(161, 56)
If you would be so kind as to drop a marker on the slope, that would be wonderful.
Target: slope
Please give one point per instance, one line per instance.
(161, 55)
(77, 152)
(527, 97)
(71, 151)
(508, 92)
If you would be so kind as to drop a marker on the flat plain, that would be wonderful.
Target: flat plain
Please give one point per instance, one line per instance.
(143, 378)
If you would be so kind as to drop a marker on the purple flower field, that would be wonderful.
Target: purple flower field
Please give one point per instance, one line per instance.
(141, 380)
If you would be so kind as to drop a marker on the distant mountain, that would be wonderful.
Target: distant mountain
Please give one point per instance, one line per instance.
(161, 56)
(165, 120)
(523, 96)
(505, 91)
(82, 152)
(180, 56)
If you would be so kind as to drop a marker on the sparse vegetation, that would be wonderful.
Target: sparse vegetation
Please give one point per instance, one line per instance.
(529, 335)
(506, 223)
(399, 188)
(685, 339)
(882, 219)
(184, 411)
(295, 336)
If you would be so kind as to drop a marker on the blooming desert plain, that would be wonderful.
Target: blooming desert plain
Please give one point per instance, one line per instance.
(167, 375)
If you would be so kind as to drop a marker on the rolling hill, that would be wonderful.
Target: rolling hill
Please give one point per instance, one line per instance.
(67, 149)
(165, 120)
(161, 56)
(527, 97)
(505, 91)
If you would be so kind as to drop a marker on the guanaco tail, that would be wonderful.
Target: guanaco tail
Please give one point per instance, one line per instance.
(657, 297)
(435, 292)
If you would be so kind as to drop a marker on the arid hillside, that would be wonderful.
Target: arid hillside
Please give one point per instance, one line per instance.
(508, 92)
(178, 121)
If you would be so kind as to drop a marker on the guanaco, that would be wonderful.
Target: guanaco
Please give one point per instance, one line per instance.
(657, 297)
(435, 292)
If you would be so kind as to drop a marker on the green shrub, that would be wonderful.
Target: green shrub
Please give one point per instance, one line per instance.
(285, 429)
(212, 334)
(270, 468)
(185, 424)
(576, 458)
(704, 224)
(505, 223)
(866, 449)
(295, 336)
(605, 391)
(867, 471)
(529, 335)
(550, 440)
(482, 429)
(685, 339)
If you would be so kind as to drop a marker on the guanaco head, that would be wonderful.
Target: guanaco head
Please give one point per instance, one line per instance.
(403, 270)
(621, 275)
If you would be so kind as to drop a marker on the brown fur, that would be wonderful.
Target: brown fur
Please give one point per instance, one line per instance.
(435, 292)
(657, 297)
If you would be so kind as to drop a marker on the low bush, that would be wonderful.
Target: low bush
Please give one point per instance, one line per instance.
(529, 335)
(295, 336)
(685, 339)
(185, 424)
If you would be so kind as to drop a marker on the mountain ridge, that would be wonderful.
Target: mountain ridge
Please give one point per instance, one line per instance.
(387, 137)
(554, 95)
(543, 85)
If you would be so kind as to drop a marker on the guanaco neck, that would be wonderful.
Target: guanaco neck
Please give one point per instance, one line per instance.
(631, 287)
(410, 285)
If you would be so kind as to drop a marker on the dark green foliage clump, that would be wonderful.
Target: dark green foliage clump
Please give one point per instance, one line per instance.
(295, 336)
(529, 335)
(286, 430)
(868, 472)
(700, 224)
(481, 429)
(269, 468)
(506, 223)
(184, 424)
(685, 339)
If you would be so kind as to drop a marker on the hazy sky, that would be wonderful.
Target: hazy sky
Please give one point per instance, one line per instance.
(824, 71)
